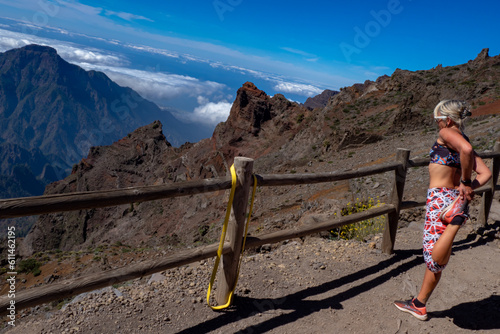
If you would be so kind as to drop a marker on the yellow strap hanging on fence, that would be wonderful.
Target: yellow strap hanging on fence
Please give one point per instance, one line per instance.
(223, 237)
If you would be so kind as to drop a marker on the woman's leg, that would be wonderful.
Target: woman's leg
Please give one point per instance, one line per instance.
(442, 248)
(437, 241)
(441, 255)
(428, 285)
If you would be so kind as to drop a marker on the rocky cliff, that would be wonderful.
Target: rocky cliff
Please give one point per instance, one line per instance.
(281, 136)
(145, 157)
(319, 101)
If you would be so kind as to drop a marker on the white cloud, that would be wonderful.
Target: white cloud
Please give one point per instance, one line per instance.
(126, 16)
(84, 9)
(212, 113)
(207, 113)
(157, 86)
(280, 85)
(149, 49)
(297, 88)
(32, 6)
(77, 55)
(73, 54)
(242, 70)
(7, 43)
(202, 100)
(308, 56)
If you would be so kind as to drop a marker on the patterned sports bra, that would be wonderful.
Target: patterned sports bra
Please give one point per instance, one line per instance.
(443, 155)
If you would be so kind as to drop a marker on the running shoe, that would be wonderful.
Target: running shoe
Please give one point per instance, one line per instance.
(408, 306)
(457, 208)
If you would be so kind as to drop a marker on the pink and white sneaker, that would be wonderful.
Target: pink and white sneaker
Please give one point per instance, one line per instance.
(457, 208)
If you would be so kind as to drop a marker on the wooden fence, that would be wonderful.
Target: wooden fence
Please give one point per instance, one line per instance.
(18, 207)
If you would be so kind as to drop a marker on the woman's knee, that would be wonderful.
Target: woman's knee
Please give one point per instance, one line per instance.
(435, 267)
(439, 259)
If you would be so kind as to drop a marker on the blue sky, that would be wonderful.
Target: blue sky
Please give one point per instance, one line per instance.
(192, 56)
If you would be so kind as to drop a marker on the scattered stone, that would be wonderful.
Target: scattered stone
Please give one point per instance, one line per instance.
(265, 248)
(156, 277)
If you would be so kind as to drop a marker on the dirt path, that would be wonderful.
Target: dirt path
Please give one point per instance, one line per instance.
(302, 286)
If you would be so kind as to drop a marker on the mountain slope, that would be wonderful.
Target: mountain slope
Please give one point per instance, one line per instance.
(319, 101)
(361, 125)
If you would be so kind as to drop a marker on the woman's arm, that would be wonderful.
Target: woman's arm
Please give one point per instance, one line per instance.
(483, 172)
(453, 139)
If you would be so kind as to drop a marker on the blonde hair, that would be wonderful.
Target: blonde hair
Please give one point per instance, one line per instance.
(455, 110)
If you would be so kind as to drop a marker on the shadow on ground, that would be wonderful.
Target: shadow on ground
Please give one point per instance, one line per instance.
(478, 315)
(297, 305)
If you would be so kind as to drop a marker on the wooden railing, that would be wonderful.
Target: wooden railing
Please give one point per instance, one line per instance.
(18, 207)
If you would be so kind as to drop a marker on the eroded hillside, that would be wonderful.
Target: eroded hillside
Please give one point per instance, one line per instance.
(361, 125)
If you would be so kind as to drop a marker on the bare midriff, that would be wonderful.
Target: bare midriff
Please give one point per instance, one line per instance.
(442, 176)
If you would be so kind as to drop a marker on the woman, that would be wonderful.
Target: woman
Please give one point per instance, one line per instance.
(451, 187)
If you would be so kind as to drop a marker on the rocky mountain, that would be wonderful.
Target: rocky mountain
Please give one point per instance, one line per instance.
(319, 101)
(367, 121)
(53, 112)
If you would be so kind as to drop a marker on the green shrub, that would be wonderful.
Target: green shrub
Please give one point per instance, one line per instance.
(29, 266)
(362, 229)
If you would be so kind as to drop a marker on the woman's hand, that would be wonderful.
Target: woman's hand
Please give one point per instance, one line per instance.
(466, 192)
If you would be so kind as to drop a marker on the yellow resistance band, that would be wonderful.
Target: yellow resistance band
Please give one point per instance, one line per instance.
(223, 237)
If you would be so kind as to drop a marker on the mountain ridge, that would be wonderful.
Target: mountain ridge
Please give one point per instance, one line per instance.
(282, 137)
(320, 100)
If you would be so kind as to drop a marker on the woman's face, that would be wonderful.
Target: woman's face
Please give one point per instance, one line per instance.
(441, 121)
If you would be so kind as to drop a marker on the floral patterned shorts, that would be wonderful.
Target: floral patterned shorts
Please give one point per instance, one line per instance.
(437, 200)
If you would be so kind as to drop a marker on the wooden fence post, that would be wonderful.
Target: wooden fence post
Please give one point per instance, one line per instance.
(487, 197)
(391, 225)
(227, 276)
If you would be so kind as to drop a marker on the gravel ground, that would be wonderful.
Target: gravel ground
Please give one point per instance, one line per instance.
(311, 285)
